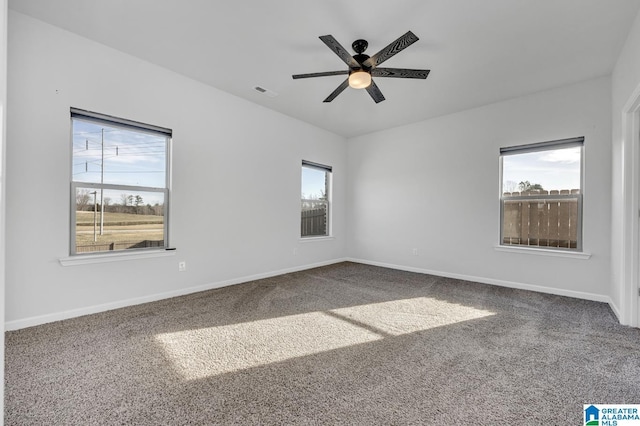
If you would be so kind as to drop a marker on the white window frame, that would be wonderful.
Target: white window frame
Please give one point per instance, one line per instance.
(328, 205)
(544, 198)
(98, 118)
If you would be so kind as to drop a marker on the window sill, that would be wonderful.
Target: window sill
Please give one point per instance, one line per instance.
(544, 252)
(113, 257)
(311, 239)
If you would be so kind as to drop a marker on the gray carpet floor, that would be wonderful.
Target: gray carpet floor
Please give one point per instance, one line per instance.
(346, 344)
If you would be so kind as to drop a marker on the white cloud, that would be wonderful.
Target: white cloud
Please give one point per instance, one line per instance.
(566, 156)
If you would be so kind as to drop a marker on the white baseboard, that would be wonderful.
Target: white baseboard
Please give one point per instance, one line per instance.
(501, 283)
(616, 311)
(73, 313)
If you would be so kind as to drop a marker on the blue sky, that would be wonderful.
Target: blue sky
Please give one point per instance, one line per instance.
(130, 157)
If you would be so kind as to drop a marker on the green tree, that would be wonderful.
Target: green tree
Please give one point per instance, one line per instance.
(528, 186)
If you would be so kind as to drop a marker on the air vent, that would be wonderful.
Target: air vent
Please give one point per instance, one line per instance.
(267, 92)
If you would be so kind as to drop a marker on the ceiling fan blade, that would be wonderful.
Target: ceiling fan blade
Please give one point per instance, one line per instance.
(374, 91)
(337, 48)
(338, 90)
(320, 74)
(399, 73)
(397, 46)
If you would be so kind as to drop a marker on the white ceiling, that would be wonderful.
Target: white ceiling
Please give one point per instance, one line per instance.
(478, 51)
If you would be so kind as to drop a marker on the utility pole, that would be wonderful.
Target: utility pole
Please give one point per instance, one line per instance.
(101, 188)
(95, 213)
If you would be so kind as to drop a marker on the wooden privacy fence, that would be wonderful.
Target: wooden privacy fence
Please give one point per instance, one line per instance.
(314, 222)
(541, 218)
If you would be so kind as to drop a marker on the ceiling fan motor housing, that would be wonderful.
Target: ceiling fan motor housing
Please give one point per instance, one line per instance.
(360, 58)
(360, 46)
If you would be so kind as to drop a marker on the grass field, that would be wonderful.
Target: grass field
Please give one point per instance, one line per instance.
(118, 228)
(106, 238)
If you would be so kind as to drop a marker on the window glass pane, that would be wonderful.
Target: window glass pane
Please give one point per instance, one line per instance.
(113, 155)
(129, 220)
(541, 201)
(314, 202)
(556, 169)
(314, 184)
(540, 223)
(314, 218)
(119, 187)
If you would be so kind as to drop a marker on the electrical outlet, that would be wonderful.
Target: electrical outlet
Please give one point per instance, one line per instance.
(415, 251)
(182, 266)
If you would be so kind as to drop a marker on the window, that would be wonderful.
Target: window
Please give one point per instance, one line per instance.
(316, 183)
(541, 202)
(119, 184)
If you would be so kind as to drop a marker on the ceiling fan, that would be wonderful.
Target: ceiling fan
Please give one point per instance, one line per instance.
(362, 67)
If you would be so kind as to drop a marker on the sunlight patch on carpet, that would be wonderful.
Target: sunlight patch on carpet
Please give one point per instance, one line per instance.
(398, 317)
(211, 351)
(216, 350)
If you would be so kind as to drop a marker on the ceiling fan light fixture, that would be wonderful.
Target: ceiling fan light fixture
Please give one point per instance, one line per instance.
(359, 79)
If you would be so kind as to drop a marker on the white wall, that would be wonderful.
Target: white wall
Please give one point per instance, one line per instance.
(625, 80)
(236, 178)
(434, 186)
